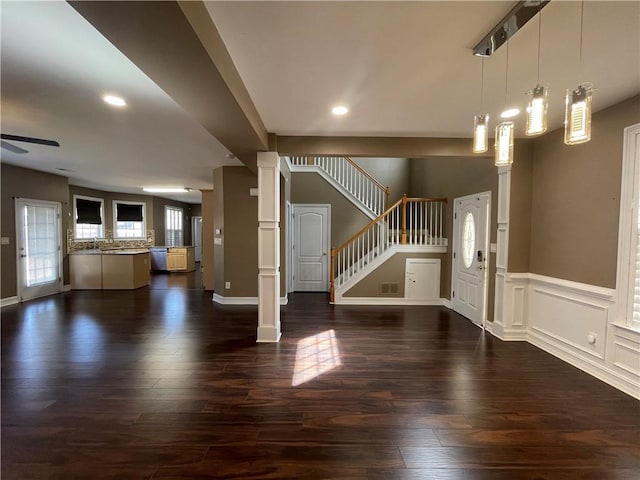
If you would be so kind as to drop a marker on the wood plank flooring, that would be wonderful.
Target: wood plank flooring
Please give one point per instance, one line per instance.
(161, 383)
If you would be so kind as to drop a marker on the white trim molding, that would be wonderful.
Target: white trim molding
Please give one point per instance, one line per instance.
(443, 302)
(5, 302)
(575, 322)
(242, 300)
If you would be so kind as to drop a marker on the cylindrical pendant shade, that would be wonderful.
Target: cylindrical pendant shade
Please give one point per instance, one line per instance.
(481, 133)
(504, 144)
(537, 112)
(577, 117)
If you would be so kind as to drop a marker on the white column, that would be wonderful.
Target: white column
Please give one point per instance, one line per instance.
(268, 247)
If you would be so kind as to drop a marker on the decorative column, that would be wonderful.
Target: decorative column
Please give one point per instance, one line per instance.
(268, 247)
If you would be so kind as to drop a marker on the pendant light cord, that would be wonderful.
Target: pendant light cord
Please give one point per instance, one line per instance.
(506, 76)
(481, 84)
(539, 36)
(581, 28)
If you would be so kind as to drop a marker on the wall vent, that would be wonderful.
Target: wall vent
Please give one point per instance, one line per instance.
(389, 288)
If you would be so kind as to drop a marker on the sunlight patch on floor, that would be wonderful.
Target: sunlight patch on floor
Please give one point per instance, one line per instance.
(315, 355)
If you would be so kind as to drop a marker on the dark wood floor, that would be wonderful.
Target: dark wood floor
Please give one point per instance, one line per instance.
(162, 383)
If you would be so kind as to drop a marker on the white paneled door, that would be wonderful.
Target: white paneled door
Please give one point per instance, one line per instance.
(470, 256)
(38, 248)
(311, 248)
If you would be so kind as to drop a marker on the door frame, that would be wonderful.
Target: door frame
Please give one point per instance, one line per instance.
(20, 240)
(193, 229)
(289, 242)
(487, 244)
(327, 257)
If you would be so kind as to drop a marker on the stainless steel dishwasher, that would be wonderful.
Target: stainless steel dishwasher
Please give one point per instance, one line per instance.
(158, 258)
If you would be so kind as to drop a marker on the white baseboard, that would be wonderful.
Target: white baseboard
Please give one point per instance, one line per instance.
(389, 301)
(5, 302)
(242, 300)
(66, 288)
(587, 365)
(268, 335)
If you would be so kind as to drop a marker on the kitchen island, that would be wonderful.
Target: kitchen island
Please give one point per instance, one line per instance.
(115, 269)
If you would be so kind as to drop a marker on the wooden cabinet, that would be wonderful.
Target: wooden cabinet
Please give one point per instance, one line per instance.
(181, 259)
(86, 271)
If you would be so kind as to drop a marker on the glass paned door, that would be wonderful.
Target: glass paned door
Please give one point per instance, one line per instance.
(39, 250)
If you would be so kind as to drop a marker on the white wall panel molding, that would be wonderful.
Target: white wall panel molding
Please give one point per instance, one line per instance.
(575, 322)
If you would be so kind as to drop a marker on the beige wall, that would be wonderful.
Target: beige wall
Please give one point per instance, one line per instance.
(520, 207)
(26, 183)
(576, 200)
(218, 225)
(392, 271)
(346, 219)
(208, 274)
(390, 172)
(453, 177)
(237, 260)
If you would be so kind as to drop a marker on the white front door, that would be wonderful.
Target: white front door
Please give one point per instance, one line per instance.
(470, 256)
(311, 248)
(38, 248)
(196, 237)
(422, 279)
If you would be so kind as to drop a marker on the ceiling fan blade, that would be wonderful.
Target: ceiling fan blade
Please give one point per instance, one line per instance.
(12, 148)
(39, 141)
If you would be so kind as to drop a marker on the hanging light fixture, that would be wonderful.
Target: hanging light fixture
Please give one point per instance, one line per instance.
(504, 130)
(537, 108)
(577, 116)
(481, 123)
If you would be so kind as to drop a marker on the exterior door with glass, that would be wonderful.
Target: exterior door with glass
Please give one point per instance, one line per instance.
(38, 248)
(469, 287)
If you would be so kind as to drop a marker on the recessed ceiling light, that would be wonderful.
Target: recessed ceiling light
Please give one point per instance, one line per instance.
(115, 101)
(510, 113)
(166, 189)
(339, 110)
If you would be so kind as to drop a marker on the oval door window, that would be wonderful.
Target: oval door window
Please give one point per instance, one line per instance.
(468, 239)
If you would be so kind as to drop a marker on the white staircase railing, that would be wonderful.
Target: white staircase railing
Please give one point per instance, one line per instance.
(349, 175)
(410, 221)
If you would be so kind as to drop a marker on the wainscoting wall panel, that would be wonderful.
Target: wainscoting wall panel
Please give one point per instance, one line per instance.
(575, 322)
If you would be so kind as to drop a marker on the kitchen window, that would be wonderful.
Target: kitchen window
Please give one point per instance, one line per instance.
(129, 219)
(88, 217)
(174, 232)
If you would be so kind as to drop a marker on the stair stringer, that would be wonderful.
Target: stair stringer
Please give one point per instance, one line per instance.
(379, 260)
(334, 183)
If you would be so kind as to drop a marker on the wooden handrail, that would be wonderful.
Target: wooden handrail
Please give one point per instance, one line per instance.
(383, 214)
(361, 170)
(366, 227)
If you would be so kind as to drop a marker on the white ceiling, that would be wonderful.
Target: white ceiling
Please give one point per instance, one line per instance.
(55, 69)
(404, 69)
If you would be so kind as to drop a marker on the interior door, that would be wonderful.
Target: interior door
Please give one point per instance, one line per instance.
(38, 248)
(196, 233)
(469, 287)
(311, 248)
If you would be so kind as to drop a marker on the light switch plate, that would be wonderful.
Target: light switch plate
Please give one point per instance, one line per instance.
(217, 241)
(493, 248)
(4, 240)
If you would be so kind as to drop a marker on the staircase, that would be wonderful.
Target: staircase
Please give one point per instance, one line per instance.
(408, 222)
(364, 191)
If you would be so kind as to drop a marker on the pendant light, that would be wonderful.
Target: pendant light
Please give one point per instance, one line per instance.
(504, 130)
(577, 116)
(481, 123)
(537, 108)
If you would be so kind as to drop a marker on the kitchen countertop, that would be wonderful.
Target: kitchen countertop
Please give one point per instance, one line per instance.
(114, 251)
